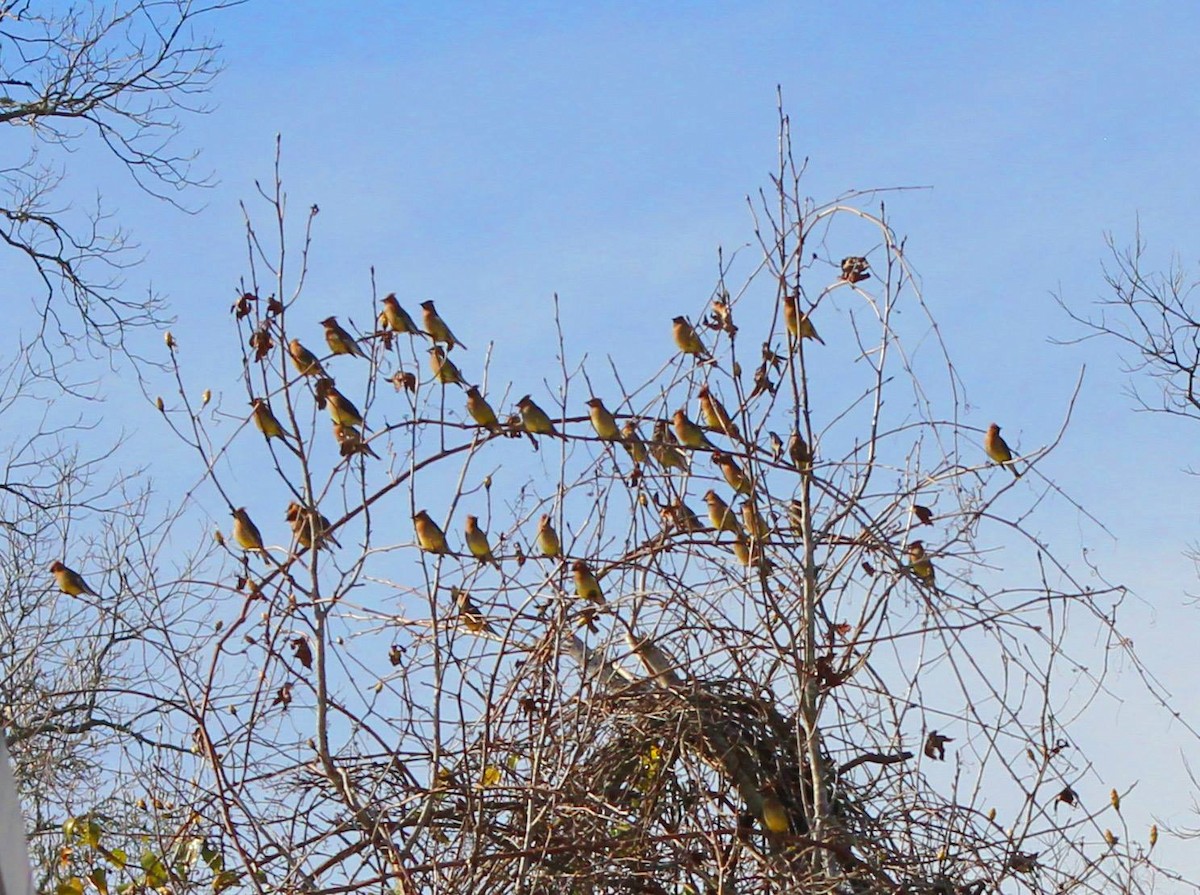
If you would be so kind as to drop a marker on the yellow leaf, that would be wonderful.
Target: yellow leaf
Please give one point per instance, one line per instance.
(70, 886)
(99, 878)
(491, 776)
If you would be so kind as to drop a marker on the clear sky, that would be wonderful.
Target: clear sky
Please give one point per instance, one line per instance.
(493, 154)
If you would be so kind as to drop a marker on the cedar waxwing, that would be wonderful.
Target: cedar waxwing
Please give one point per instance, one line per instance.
(341, 410)
(586, 585)
(534, 419)
(688, 433)
(686, 338)
(722, 518)
(663, 448)
(602, 420)
(801, 454)
(796, 515)
(738, 480)
(470, 615)
(997, 448)
(70, 582)
(756, 525)
(429, 537)
(245, 532)
(265, 420)
(350, 441)
(797, 322)
(633, 443)
(444, 369)
(548, 537)
(751, 553)
(308, 526)
(715, 415)
(304, 360)
(481, 411)
(340, 341)
(477, 542)
(774, 815)
(395, 318)
(682, 516)
(436, 327)
(919, 562)
(924, 514)
(654, 659)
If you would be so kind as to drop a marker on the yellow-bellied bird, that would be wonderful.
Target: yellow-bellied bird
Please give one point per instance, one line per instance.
(341, 409)
(797, 322)
(245, 532)
(69, 581)
(547, 537)
(632, 440)
(919, 562)
(481, 411)
(477, 542)
(715, 415)
(340, 341)
(663, 448)
(444, 369)
(997, 448)
(686, 338)
(430, 537)
(395, 318)
(350, 441)
(721, 516)
(602, 420)
(738, 480)
(436, 326)
(586, 585)
(265, 420)
(534, 419)
(688, 433)
(304, 360)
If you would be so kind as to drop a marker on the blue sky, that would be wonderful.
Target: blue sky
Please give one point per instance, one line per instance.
(491, 155)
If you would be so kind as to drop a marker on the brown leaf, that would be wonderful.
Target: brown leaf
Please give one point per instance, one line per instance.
(262, 342)
(303, 652)
(244, 305)
(1067, 796)
(396, 654)
(274, 306)
(935, 745)
(284, 696)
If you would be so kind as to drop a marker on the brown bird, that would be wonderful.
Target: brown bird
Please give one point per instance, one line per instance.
(586, 585)
(602, 420)
(750, 553)
(350, 441)
(715, 415)
(341, 409)
(756, 525)
(686, 338)
(469, 613)
(477, 542)
(69, 581)
(632, 440)
(774, 815)
(481, 411)
(444, 369)
(437, 328)
(309, 526)
(688, 433)
(534, 419)
(304, 360)
(265, 420)
(924, 514)
(682, 517)
(340, 341)
(797, 322)
(919, 562)
(737, 479)
(430, 537)
(663, 448)
(395, 318)
(721, 516)
(547, 537)
(800, 453)
(997, 448)
(245, 532)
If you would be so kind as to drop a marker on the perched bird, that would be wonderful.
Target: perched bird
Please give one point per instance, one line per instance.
(924, 514)
(69, 581)
(774, 815)
(436, 327)
(245, 532)
(470, 615)
(477, 542)
(686, 338)
(548, 537)
(715, 415)
(304, 360)
(430, 538)
(602, 420)
(534, 419)
(796, 515)
(997, 448)
(683, 517)
(688, 433)
(750, 553)
(663, 448)
(350, 441)
(309, 526)
(481, 411)
(586, 585)
(395, 318)
(756, 525)
(654, 659)
(632, 440)
(919, 562)
(340, 341)
(444, 369)
(797, 322)
(341, 409)
(800, 453)
(265, 420)
(738, 480)
(721, 516)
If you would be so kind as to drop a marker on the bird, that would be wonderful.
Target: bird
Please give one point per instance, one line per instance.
(919, 562)
(602, 420)
(350, 441)
(304, 360)
(340, 341)
(924, 514)
(663, 448)
(429, 537)
(265, 420)
(688, 433)
(632, 440)
(534, 419)
(800, 453)
(774, 815)
(477, 542)
(755, 523)
(715, 415)
(997, 448)
(548, 537)
(734, 475)
(472, 618)
(245, 532)
(586, 585)
(686, 338)
(341, 409)
(684, 518)
(481, 411)
(722, 518)
(654, 659)
(436, 327)
(309, 526)
(395, 318)
(751, 553)
(444, 369)
(797, 322)
(69, 581)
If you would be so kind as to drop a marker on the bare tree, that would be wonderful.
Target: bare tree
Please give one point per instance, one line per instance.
(459, 642)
